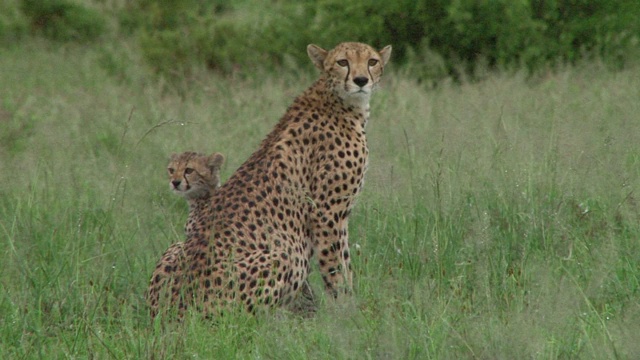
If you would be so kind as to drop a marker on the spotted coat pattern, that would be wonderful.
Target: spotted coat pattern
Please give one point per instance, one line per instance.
(195, 177)
(292, 198)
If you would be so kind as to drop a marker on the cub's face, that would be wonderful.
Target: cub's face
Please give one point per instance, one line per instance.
(353, 69)
(192, 175)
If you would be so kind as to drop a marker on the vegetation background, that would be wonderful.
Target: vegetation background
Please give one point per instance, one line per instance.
(500, 218)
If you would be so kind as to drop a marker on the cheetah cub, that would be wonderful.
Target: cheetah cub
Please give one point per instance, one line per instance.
(195, 177)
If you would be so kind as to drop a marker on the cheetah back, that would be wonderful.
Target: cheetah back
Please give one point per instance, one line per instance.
(293, 196)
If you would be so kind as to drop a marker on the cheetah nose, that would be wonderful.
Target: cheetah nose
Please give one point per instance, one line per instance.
(175, 183)
(361, 81)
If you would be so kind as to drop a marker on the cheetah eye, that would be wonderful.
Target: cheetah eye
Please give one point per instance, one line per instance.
(343, 62)
(171, 170)
(373, 62)
(188, 171)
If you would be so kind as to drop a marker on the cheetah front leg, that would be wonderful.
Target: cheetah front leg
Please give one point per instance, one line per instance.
(331, 240)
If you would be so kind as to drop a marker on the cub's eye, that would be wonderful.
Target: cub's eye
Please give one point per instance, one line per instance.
(373, 62)
(343, 62)
(171, 170)
(188, 171)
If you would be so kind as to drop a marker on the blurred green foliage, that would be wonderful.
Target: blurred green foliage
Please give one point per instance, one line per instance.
(63, 20)
(13, 24)
(437, 37)
(434, 38)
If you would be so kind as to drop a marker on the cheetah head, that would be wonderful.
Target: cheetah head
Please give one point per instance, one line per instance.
(193, 174)
(353, 69)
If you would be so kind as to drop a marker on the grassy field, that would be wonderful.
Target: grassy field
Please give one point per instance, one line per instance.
(500, 220)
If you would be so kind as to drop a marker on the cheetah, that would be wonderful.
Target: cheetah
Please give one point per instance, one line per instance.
(195, 177)
(292, 198)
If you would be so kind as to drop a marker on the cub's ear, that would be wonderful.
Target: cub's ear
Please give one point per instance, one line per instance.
(216, 160)
(385, 54)
(317, 55)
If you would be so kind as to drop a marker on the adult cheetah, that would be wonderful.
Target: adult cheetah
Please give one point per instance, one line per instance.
(195, 177)
(292, 198)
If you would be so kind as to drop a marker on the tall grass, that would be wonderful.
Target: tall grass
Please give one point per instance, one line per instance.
(499, 219)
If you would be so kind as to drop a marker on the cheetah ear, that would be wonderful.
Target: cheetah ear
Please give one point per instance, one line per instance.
(216, 160)
(317, 55)
(385, 54)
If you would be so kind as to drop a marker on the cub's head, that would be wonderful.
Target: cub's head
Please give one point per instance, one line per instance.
(353, 69)
(193, 174)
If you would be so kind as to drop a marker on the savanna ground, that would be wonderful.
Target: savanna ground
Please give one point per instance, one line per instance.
(500, 219)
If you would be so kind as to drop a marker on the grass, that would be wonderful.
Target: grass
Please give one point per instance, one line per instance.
(499, 220)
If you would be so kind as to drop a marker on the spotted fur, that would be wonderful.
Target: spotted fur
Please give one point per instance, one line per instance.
(195, 177)
(292, 198)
